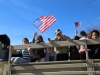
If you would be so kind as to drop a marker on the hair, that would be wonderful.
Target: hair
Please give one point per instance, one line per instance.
(51, 47)
(96, 31)
(40, 38)
(26, 39)
(76, 38)
(83, 33)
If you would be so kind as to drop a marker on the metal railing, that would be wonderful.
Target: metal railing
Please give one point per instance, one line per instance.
(88, 64)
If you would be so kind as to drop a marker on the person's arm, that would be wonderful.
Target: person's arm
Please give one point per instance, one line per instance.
(33, 40)
(52, 40)
(30, 51)
(67, 38)
(49, 39)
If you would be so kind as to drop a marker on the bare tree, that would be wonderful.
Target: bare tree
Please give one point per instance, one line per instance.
(93, 27)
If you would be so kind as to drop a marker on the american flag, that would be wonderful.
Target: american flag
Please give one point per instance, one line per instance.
(77, 24)
(44, 22)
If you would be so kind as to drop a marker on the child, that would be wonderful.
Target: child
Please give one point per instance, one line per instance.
(50, 55)
(38, 53)
(95, 49)
(82, 47)
(25, 52)
(95, 34)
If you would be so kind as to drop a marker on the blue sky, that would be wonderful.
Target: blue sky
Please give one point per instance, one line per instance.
(17, 16)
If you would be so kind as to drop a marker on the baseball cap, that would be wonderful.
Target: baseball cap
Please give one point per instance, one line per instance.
(58, 31)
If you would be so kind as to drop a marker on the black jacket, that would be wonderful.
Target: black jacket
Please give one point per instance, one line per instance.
(95, 51)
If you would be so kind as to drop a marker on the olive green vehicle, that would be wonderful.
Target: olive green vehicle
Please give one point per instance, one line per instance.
(73, 67)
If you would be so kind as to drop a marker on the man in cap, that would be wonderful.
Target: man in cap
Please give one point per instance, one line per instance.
(62, 52)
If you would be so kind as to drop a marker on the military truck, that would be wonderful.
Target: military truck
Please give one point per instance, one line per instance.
(73, 67)
(4, 51)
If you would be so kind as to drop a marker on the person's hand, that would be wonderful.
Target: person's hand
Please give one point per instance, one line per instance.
(37, 41)
(8, 47)
(29, 48)
(35, 34)
(42, 60)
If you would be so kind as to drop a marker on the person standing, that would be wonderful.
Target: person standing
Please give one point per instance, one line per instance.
(62, 52)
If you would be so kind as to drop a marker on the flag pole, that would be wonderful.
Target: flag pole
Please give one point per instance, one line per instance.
(45, 35)
(75, 30)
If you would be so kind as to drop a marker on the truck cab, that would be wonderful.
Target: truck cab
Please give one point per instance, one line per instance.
(4, 51)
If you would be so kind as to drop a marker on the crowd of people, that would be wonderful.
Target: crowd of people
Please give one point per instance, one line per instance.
(60, 53)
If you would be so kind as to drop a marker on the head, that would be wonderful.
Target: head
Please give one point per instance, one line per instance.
(89, 36)
(39, 38)
(83, 33)
(50, 50)
(95, 34)
(25, 41)
(76, 38)
(58, 33)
